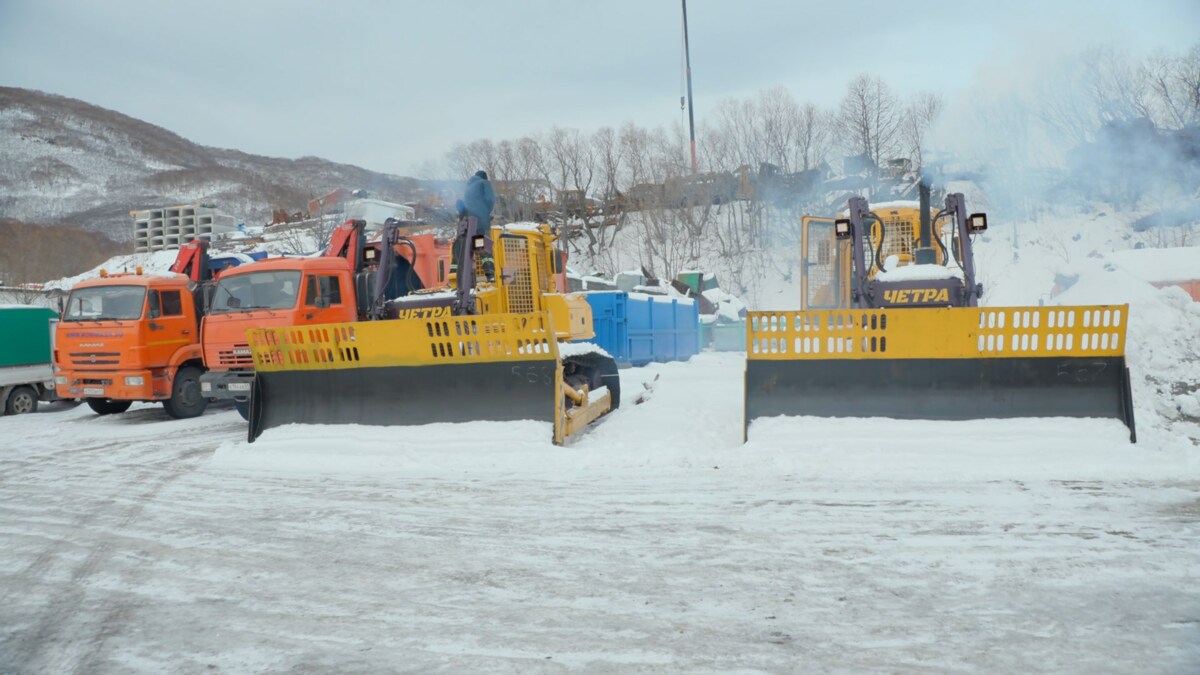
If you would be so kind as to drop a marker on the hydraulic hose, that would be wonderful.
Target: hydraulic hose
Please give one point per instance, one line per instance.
(876, 220)
(937, 236)
(413, 266)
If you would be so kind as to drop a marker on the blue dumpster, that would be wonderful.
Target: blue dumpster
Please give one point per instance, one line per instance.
(638, 328)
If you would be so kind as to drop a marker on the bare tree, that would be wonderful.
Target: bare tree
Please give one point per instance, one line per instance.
(1175, 82)
(1119, 85)
(918, 118)
(778, 116)
(471, 157)
(572, 159)
(814, 136)
(610, 155)
(635, 145)
(1066, 102)
(869, 118)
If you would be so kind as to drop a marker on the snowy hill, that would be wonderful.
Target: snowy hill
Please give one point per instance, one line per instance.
(64, 160)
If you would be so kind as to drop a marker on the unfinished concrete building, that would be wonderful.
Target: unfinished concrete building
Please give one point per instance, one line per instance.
(166, 228)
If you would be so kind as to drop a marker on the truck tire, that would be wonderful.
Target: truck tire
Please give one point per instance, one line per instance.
(21, 400)
(103, 406)
(186, 400)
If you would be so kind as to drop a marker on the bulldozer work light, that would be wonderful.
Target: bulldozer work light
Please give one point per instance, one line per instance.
(977, 222)
(841, 228)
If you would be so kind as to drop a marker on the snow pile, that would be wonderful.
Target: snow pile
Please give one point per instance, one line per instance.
(1160, 265)
(1162, 351)
(675, 296)
(570, 349)
(1019, 263)
(157, 262)
(919, 273)
(730, 308)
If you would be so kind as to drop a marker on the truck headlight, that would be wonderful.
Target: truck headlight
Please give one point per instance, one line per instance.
(206, 386)
(134, 380)
(60, 379)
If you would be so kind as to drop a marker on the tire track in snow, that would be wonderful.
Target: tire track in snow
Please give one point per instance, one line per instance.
(61, 637)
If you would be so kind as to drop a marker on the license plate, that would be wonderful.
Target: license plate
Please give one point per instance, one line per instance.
(239, 386)
(93, 391)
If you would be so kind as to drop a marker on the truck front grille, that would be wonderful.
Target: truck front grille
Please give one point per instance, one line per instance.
(95, 358)
(238, 356)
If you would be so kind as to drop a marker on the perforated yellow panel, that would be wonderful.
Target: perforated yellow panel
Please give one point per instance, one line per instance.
(540, 256)
(937, 332)
(470, 339)
(518, 277)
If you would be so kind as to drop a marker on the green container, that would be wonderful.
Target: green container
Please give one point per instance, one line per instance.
(25, 335)
(729, 337)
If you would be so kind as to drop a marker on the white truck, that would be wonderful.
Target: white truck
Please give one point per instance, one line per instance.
(26, 357)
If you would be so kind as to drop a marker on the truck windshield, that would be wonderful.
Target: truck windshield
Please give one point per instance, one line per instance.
(105, 303)
(256, 290)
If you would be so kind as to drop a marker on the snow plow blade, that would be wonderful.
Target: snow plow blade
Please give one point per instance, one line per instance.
(940, 363)
(414, 371)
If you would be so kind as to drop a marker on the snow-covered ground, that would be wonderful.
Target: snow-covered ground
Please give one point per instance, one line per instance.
(658, 542)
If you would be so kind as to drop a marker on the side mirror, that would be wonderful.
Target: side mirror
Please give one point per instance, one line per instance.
(322, 302)
(977, 222)
(841, 228)
(155, 306)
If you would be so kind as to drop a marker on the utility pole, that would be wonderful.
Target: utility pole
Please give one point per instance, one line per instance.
(691, 113)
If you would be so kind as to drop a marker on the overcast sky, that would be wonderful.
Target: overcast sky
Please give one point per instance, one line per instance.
(388, 85)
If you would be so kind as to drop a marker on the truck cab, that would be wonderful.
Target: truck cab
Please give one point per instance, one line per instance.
(132, 337)
(269, 294)
(26, 370)
(336, 287)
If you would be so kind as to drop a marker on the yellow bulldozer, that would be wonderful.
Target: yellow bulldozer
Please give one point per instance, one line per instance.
(890, 326)
(500, 335)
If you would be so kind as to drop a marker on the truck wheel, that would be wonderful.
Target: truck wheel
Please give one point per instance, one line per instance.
(103, 406)
(243, 408)
(186, 400)
(20, 401)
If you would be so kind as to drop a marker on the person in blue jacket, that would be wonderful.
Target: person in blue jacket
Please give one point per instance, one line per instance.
(478, 200)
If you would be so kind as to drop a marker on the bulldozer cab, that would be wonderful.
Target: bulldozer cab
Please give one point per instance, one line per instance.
(896, 230)
(825, 264)
(530, 280)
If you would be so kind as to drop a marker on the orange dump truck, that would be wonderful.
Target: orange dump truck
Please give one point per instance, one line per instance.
(136, 337)
(345, 283)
